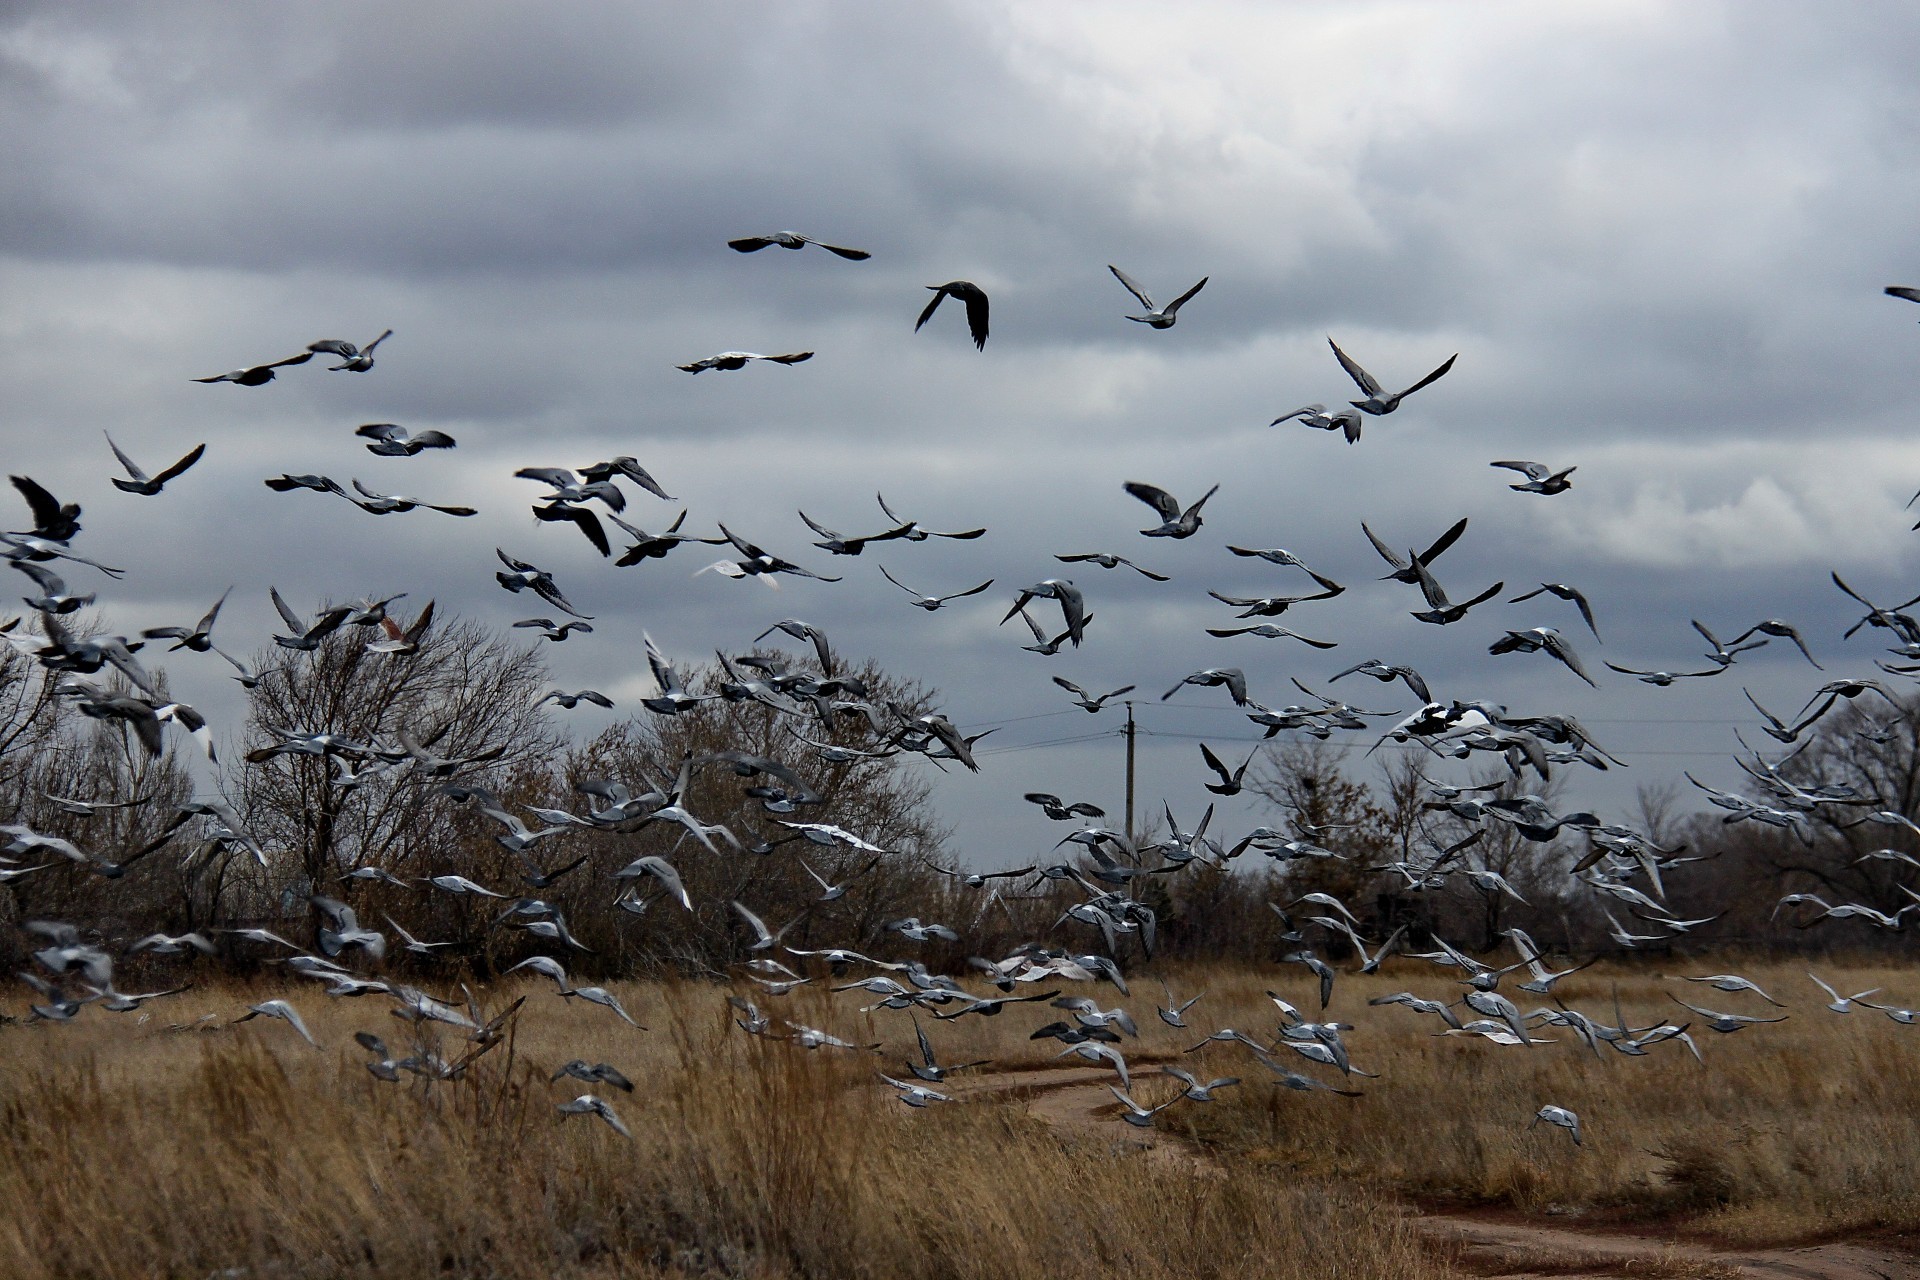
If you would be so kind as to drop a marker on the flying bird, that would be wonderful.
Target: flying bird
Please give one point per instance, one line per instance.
(975, 299)
(1379, 401)
(353, 359)
(930, 603)
(1156, 317)
(1565, 592)
(793, 240)
(259, 374)
(1174, 522)
(142, 483)
(1540, 479)
(392, 441)
(739, 359)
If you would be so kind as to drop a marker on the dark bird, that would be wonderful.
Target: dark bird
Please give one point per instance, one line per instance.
(930, 603)
(142, 483)
(526, 577)
(968, 292)
(259, 374)
(1780, 630)
(1085, 700)
(1230, 780)
(1107, 560)
(1403, 570)
(1540, 478)
(353, 359)
(52, 519)
(793, 240)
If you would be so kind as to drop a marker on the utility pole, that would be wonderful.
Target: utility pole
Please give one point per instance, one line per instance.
(1129, 733)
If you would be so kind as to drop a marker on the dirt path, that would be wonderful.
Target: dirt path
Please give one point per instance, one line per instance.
(1076, 1099)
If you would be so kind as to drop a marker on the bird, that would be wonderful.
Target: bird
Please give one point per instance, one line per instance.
(353, 359)
(1174, 522)
(1156, 317)
(1659, 678)
(1230, 780)
(1346, 421)
(1405, 570)
(548, 631)
(738, 360)
(931, 603)
(54, 598)
(1565, 592)
(588, 1104)
(1902, 291)
(285, 1012)
(1560, 1116)
(526, 577)
(595, 1073)
(568, 701)
(259, 374)
(1233, 678)
(381, 504)
(1380, 671)
(142, 483)
(967, 292)
(304, 636)
(1379, 401)
(1723, 654)
(1840, 1003)
(1440, 611)
(1107, 560)
(793, 240)
(1539, 639)
(1540, 479)
(392, 441)
(1778, 629)
(1073, 608)
(1269, 631)
(1086, 701)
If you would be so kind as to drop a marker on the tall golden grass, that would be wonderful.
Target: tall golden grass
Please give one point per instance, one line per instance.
(134, 1151)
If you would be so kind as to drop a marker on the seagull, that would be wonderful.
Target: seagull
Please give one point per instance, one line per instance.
(259, 374)
(1540, 479)
(354, 359)
(392, 441)
(1379, 402)
(587, 1104)
(1174, 523)
(975, 299)
(738, 360)
(1346, 421)
(1107, 560)
(931, 603)
(1537, 639)
(1156, 317)
(1565, 592)
(793, 240)
(1085, 700)
(143, 484)
(1560, 1116)
(1404, 570)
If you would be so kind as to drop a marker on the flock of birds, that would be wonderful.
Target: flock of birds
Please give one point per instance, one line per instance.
(1620, 866)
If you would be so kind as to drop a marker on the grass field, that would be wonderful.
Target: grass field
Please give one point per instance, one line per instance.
(140, 1151)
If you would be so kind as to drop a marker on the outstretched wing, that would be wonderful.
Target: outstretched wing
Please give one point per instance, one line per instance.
(1361, 377)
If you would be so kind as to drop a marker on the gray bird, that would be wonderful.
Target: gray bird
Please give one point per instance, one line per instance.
(392, 441)
(1156, 317)
(1174, 522)
(142, 483)
(738, 360)
(1565, 592)
(1538, 639)
(1540, 478)
(793, 240)
(1379, 401)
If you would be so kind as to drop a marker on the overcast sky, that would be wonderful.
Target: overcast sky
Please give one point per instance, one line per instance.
(1656, 234)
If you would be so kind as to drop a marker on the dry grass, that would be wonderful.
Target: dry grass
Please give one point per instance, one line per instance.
(139, 1152)
(1791, 1132)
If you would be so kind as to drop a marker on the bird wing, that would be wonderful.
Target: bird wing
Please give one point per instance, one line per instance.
(1176, 303)
(939, 295)
(1903, 291)
(1387, 553)
(976, 300)
(851, 255)
(1361, 377)
(193, 456)
(1159, 499)
(1133, 287)
(1532, 470)
(749, 244)
(132, 470)
(970, 591)
(1435, 376)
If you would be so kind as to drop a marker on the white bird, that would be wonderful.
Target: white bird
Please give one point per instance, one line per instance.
(1840, 1003)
